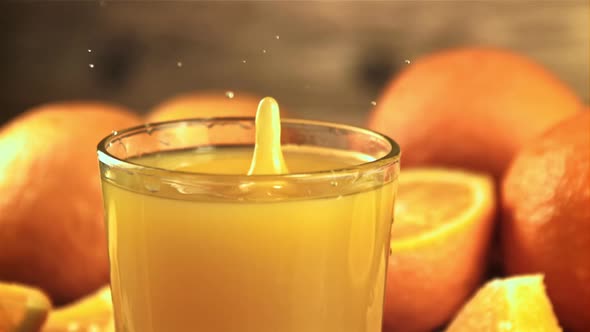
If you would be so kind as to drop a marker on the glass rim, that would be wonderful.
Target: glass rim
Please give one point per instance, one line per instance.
(104, 156)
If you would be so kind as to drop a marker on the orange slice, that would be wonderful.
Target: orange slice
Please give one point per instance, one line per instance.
(22, 308)
(94, 313)
(440, 237)
(513, 304)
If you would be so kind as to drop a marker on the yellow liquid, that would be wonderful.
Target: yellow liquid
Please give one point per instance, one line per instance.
(304, 265)
(253, 256)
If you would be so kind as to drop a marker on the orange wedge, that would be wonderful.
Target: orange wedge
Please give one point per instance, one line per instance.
(22, 308)
(440, 239)
(513, 304)
(94, 313)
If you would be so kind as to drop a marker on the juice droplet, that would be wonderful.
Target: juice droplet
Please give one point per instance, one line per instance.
(374, 103)
(407, 61)
(277, 37)
(179, 64)
(244, 61)
(91, 65)
(230, 94)
(89, 51)
(268, 156)
(263, 51)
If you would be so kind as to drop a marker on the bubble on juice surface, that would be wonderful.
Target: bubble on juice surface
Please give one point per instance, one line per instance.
(89, 50)
(187, 189)
(246, 125)
(230, 94)
(244, 61)
(109, 174)
(152, 184)
(148, 129)
(374, 103)
(179, 64)
(91, 65)
(277, 37)
(407, 61)
(123, 147)
(264, 51)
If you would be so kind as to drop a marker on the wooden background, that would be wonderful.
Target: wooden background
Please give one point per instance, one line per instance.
(330, 61)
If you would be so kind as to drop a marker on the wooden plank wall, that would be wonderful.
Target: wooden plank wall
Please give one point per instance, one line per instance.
(330, 61)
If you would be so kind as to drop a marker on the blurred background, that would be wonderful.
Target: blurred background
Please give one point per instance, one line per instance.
(322, 60)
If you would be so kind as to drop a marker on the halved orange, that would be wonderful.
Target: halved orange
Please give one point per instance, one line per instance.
(93, 313)
(440, 239)
(514, 304)
(22, 308)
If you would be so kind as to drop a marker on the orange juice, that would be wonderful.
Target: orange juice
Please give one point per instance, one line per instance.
(286, 265)
(212, 239)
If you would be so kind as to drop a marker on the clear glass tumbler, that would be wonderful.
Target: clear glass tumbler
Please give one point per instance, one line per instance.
(195, 244)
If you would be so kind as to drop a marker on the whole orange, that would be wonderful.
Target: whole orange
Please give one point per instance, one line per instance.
(205, 104)
(546, 217)
(51, 219)
(471, 108)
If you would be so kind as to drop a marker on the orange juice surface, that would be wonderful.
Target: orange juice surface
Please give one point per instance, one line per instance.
(315, 265)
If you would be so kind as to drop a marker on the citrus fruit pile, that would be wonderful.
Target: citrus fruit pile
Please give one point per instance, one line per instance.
(494, 195)
(506, 129)
(53, 250)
